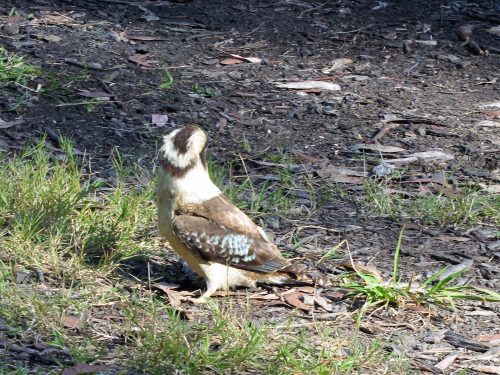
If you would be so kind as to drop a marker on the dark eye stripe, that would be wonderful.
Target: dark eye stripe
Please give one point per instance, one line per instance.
(182, 137)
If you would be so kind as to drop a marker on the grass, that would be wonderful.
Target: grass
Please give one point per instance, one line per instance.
(168, 80)
(207, 92)
(464, 206)
(232, 343)
(81, 233)
(14, 68)
(15, 75)
(439, 289)
(272, 196)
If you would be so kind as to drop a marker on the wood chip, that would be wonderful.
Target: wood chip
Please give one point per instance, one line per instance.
(377, 148)
(146, 38)
(461, 341)
(488, 124)
(432, 155)
(100, 95)
(9, 124)
(233, 59)
(309, 85)
(89, 65)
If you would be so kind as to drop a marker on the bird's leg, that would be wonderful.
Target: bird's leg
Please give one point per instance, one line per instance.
(211, 289)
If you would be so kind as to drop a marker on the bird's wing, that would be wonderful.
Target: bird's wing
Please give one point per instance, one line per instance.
(219, 244)
(219, 210)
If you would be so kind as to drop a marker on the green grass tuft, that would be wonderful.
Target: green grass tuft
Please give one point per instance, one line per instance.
(439, 289)
(14, 68)
(467, 206)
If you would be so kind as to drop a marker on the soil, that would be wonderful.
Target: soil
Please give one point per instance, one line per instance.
(103, 62)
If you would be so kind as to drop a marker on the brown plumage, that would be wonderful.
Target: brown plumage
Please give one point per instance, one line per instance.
(216, 239)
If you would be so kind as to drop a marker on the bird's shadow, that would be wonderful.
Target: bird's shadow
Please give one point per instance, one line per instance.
(153, 269)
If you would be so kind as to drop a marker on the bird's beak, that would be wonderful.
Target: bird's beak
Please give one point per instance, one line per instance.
(159, 162)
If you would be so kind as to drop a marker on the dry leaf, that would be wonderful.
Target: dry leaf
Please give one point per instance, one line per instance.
(488, 338)
(266, 297)
(159, 120)
(54, 19)
(164, 286)
(14, 20)
(322, 302)
(71, 322)
(494, 189)
(335, 294)
(309, 85)
(443, 237)
(141, 59)
(173, 297)
(487, 369)
(99, 95)
(294, 299)
(253, 60)
(48, 38)
(306, 289)
(377, 148)
(340, 174)
(337, 64)
(419, 309)
(231, 61)
(447, 361)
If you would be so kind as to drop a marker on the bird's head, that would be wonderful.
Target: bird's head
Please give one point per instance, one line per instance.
(183, 171)
(183, 150)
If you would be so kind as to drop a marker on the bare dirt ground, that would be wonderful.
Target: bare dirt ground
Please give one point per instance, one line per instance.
(408, 73)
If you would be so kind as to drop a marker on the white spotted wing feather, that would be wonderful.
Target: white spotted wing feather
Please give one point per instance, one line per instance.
(219, 244)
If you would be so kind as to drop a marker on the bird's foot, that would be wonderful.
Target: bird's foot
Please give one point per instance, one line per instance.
(204, 298)
(200, 300)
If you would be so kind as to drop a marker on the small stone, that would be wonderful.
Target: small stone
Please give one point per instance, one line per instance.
(11, 29)
(308, 300)
(493, 246)
(272, 222)
(384, 169)
(22, 277)
(486, 234)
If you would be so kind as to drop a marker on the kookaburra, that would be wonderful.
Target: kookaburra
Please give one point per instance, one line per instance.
(215, 238)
